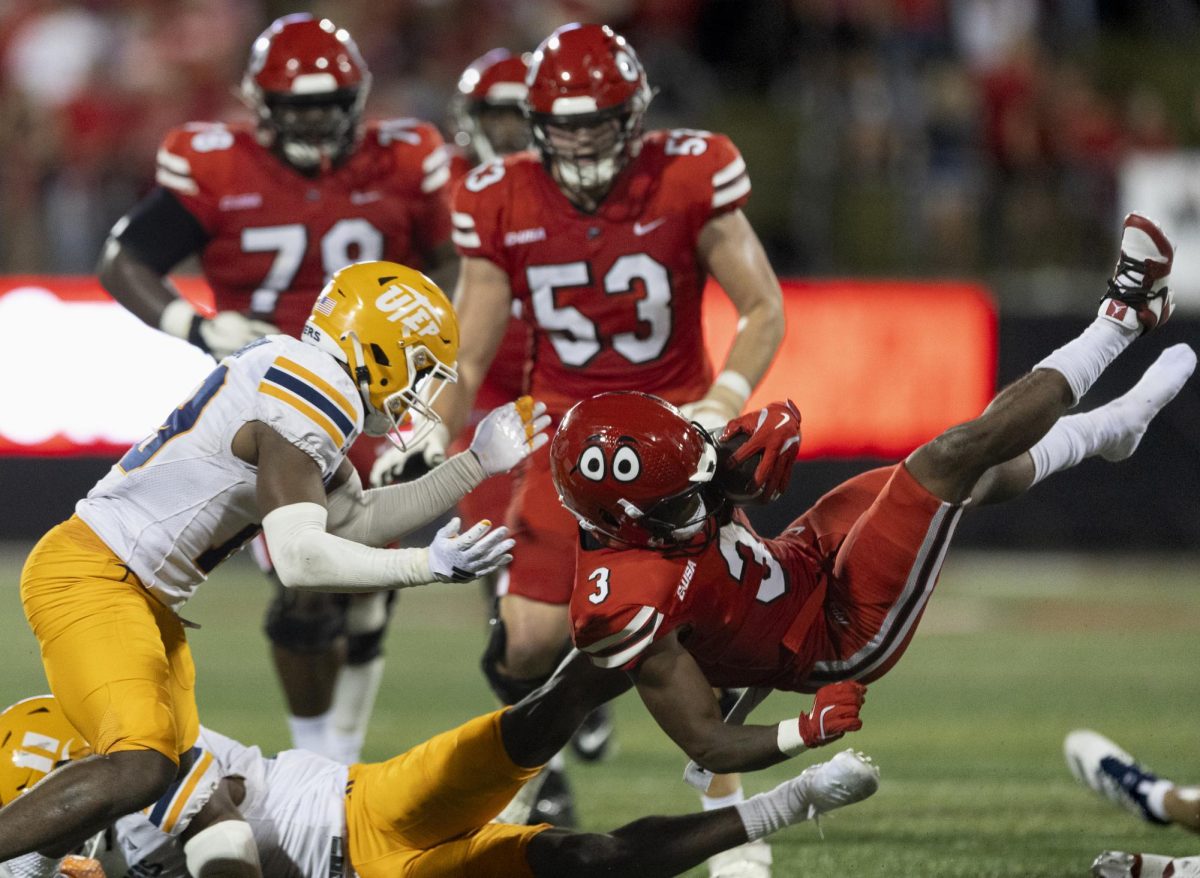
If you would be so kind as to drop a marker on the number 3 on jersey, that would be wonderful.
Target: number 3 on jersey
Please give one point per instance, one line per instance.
(574, 336)
(600, 577)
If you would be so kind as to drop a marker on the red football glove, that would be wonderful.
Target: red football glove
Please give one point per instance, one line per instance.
(774, 431)
(835, 712)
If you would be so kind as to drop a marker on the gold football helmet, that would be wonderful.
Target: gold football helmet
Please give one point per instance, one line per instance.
(397, 334)
(35, 737)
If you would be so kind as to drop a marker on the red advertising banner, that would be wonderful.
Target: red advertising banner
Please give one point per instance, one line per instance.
(877, 367)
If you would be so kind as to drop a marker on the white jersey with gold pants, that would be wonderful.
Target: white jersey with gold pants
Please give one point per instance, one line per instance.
(101, 591)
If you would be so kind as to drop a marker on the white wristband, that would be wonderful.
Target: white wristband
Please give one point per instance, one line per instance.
(734, 382)
(788, 738)
(176, 318)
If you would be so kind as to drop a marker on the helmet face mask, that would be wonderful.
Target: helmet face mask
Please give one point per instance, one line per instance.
(635, 472)
(307, 86)
(396, 334)
(588, 96)
(313, 132)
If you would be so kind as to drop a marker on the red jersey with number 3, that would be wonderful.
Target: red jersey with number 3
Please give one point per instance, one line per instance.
(275, 235)
(741, 607)
(613, 297)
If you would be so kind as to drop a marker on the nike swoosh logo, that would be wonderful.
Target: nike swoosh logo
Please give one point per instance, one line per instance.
(639, 229)
(783, 419)
(821, 720)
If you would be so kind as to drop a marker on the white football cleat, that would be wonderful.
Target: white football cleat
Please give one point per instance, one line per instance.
(1099, 763)
(1118, 864)
(750, 860)
(1138, 297)
(847, 778)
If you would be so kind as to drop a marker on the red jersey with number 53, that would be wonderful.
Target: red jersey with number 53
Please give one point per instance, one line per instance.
(741, 607)
(613, 297)
(275, 235)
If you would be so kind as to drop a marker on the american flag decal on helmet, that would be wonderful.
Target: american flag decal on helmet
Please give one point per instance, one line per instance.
(325, 305)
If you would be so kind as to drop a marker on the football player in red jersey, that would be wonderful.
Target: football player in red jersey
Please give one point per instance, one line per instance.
(684, 595)
(273, 209)
(606, 235)
(488, 123)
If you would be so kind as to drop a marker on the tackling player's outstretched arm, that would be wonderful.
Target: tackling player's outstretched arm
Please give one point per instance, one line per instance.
(291, 500)
(680, 699)
(731, 252)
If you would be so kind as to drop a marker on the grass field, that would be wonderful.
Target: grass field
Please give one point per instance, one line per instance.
(1014, 651)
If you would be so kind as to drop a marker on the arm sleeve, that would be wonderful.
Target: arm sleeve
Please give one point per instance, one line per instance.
(160, 232)
(383, 515)
(307, 556)
(475, 212)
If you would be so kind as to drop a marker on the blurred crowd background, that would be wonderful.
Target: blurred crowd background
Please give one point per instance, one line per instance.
(899, 137)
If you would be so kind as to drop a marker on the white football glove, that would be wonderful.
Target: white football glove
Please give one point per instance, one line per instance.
(455, 557)
(510, 433)
(393, 465)
(709, 414)
(221, 335)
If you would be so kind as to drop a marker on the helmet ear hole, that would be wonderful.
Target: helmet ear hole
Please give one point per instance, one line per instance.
(380, 357)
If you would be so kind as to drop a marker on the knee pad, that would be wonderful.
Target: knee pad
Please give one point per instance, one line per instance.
(508, 689)
(367, 618)
(305, 623)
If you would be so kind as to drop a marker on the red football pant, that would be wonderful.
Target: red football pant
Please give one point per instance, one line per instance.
(886, 537)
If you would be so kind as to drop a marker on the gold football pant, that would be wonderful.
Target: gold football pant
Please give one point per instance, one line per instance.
(425, 813)
(117, 659)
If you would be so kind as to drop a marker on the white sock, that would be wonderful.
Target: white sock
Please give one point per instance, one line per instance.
(557, 762)
(353, 701)
(310, 733)
(712, 803)
(1113, 431)
(1082, 360)
(769, 812)
(1156, 796)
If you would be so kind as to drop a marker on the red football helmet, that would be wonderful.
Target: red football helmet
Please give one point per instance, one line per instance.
(307, 84)
(587, 97)
(634, 470)
(488, 116)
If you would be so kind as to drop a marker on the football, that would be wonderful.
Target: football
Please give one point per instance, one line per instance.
(736, 480)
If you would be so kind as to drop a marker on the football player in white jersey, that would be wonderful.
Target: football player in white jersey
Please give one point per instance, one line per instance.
(422, 814)
(261, 444)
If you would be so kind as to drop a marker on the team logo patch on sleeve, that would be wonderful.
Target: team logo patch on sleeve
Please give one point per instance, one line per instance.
(312, 396)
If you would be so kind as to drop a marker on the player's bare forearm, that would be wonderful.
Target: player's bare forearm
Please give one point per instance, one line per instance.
(760, 332)
(483, 301)
(680, 699)
(133, 283)
(733, 255)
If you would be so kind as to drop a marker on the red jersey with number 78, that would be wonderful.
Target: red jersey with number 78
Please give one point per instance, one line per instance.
(275, 235)
(613, 297)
